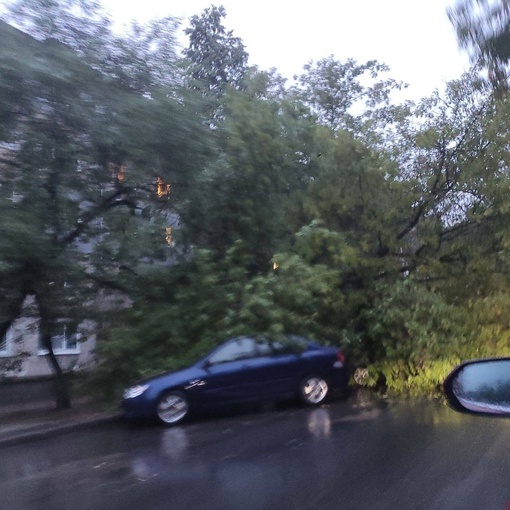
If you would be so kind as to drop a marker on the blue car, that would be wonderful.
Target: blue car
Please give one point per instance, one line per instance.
(242, 370)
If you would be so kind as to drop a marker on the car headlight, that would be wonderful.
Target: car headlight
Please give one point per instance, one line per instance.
(135, 391)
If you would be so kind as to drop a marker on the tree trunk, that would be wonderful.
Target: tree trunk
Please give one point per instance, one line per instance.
(62, 398)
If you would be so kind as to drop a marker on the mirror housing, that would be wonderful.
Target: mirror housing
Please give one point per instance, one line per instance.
(205, 364)
(480, 387)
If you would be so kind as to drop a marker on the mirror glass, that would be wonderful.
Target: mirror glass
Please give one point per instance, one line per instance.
(484, 386)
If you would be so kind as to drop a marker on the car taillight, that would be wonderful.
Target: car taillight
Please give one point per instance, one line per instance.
(340, 357)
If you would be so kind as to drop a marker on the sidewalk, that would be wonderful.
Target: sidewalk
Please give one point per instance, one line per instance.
(26, 422)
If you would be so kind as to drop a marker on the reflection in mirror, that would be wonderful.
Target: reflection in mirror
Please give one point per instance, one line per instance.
(484, 386)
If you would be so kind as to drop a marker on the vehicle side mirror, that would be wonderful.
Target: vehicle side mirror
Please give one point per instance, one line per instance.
(480, 386)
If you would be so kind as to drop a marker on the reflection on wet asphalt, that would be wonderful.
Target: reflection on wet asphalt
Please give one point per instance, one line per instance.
(364, 453)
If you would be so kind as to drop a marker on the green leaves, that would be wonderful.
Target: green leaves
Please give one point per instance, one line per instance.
(217, 58)
(334, 90)
(97, 157)
(482, 28)
(241, 205)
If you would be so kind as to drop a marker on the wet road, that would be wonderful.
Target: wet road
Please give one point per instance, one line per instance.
(359, 454)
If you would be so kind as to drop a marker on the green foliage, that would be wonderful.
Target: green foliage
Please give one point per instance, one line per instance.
(319, 209)
(489, 319)
(141, 58)
(483, 29)
(217, 59)
(403, 377)
(180, 319)
(334, 89)
(406, 321)
(239, 198)
(390, 257)
(425, 338)
(78, 24)
(83, 153)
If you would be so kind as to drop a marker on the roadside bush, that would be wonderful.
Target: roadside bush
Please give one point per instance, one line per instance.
(406, 321)
(422, 338)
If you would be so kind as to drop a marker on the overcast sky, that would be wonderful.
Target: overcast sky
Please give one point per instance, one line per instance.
(414, 38)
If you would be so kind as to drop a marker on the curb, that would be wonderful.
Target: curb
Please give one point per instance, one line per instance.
(48, 430)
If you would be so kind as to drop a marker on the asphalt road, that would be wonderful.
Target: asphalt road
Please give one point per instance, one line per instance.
(358, 454)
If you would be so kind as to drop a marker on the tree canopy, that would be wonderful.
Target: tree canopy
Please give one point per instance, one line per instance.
(217, 58)
(221, 200)
(94, 175)
(483, 29)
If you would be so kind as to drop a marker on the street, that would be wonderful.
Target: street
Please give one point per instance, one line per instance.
(363, 453)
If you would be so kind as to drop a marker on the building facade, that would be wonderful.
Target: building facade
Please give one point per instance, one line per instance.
(21, 354)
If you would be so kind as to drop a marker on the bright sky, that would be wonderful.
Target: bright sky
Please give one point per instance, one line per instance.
(414, 38)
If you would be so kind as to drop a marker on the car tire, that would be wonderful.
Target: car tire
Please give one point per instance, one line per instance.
(313, 390)
(173, 407)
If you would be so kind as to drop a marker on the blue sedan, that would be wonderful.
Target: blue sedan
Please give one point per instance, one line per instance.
(241, 370)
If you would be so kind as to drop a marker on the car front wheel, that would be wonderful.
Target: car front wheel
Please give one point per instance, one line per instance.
(173, 407)
(313, 390)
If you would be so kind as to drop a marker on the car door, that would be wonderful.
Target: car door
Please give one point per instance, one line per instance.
(227, 379)
(277, 368)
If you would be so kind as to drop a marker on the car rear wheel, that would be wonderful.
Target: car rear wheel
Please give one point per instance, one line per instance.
(313, 390)
(173, 407)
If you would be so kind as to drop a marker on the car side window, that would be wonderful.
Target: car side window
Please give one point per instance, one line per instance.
(289, 345)
(264, 347)
(241, 348)
(284, 346)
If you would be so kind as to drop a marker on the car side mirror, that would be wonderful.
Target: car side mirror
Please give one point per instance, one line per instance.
(480, 387)
(206, 364)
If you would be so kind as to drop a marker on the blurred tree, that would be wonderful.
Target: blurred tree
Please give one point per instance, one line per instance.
(81, 25)
(298, 227)
(483, 29)
(321, 209)
(92, 175)
(432, 212)
(216, 57)
(266, 155)
(141, 57)
(240, 195)
(214, 60)
(455, 169)
(342, 94)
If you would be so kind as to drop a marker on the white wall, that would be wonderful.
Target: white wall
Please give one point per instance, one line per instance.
(24, 352)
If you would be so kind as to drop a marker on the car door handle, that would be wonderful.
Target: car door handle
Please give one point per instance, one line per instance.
(195, 383)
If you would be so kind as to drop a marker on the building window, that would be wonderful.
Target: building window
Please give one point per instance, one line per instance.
(162, 187)
(168, 236)
(66, 342)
